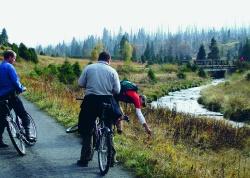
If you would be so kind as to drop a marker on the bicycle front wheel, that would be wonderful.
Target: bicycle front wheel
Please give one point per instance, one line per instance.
(16, 137)
(105, 152)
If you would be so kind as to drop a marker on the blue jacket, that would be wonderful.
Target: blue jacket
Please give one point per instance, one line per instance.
(9, 80)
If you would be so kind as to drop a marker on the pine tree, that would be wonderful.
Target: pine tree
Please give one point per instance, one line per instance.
(96, 51)
(3, 37)
(24, 52)
(134, 54)
(214, 50)
(245, 52)
(127, 52)
(122, 43)
(202, 53)
(146, 54)
(32, 55)
(14, 47)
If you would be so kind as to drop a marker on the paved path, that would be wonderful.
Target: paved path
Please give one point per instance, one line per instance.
(54, 155)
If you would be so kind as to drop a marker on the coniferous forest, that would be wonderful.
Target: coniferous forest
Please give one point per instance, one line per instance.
(157, 47)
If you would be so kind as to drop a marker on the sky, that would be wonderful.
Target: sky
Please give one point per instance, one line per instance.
(44, 22)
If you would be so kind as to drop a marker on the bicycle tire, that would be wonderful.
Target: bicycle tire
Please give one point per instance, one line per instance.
(33, 132)
(105, 152)
(72, 129)
(16, 137)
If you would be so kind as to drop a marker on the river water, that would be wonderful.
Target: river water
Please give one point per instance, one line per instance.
(186, 101)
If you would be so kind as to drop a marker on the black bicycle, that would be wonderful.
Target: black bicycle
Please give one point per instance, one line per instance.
(102, 140)
(16, 130)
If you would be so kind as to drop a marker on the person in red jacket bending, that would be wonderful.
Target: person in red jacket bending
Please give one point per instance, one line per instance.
(129, 94)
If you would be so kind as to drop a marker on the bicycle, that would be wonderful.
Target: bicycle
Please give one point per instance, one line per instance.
(16, 130)
(102, 140)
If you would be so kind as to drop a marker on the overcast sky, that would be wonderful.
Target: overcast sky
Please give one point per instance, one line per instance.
(51, 21)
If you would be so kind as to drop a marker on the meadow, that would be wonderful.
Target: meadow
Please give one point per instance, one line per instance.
(181, 145)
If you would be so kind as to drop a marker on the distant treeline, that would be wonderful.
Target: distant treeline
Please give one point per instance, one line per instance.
(154, 47)
(21, 50)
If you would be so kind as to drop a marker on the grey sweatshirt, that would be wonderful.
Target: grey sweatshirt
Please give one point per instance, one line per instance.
(100, 79)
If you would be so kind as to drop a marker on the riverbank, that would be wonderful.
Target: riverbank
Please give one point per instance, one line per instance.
(230, 98)
(181, 146)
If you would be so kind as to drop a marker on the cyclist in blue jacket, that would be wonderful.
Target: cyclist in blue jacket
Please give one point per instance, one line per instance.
(9, 87)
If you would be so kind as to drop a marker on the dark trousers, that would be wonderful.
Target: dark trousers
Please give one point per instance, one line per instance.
(91, 108)
(15, 103)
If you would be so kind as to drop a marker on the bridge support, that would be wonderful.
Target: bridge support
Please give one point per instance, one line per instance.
(217, 74)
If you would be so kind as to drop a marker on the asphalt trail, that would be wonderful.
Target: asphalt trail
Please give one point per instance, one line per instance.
(54, 155)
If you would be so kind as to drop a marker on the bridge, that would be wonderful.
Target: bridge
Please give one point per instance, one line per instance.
(215, 65)
(215, 68)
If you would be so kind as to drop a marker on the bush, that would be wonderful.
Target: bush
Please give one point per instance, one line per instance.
(50, 72)
(66, 73)
(202, 73)
(194, 67)
(38, 70)
(240, 115)
(77, 69)
(248, 76)
(151, 75)
(181, 75)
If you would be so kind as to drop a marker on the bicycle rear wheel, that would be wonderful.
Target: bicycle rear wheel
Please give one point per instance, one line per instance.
(33, 132)
(16, 137)
(105, 152)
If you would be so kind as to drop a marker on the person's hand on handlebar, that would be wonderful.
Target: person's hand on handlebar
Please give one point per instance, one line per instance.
(24, 89)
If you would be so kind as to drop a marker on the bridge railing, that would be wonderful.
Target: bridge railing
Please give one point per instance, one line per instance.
(215, 63)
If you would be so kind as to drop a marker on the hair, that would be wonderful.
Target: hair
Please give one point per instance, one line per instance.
(9, 53)
(104, 56)
(144, 100)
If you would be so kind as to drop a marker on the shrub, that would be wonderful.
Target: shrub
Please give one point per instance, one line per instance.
(50, 72)
(248, 76)
(66, 73)
(151, 75)
(38, 70)
(202, 73)
(181, 75)
(194, 67)
(77, 69)
(240, 115)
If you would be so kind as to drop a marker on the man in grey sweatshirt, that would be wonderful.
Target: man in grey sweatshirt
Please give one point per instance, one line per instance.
(100, 82)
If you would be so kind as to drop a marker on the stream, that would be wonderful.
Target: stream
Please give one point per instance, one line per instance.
(185, 101)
